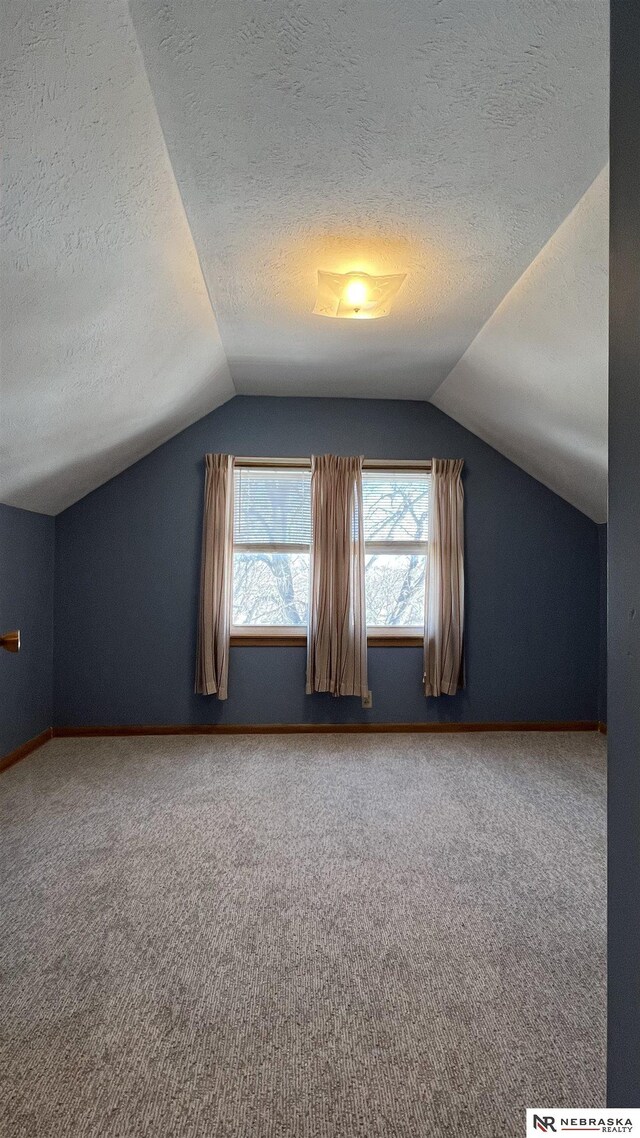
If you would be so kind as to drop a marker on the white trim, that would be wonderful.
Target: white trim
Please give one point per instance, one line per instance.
(397, 548)
(393, 464)
(269, 630)
(270, 547)
(392, 632)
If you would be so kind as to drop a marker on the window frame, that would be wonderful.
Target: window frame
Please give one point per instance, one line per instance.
(264, 636)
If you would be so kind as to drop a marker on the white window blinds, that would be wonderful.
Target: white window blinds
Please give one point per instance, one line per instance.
(272, 507)
(272, 535)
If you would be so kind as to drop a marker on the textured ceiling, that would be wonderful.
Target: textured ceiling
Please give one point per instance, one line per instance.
(110, 345)
(442, 138)
(534, 381)
(173, 159)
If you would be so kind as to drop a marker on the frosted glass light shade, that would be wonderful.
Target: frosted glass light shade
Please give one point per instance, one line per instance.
(356, 296)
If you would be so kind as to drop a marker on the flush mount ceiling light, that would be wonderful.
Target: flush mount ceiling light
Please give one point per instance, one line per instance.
(356, 296)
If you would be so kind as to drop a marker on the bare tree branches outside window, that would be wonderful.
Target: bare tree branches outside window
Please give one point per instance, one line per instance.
(396, 520)
(272, 539)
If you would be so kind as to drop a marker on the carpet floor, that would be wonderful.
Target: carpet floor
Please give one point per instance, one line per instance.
(313, 936)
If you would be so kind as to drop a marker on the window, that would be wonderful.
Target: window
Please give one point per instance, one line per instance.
(396, 518)
(272, 538)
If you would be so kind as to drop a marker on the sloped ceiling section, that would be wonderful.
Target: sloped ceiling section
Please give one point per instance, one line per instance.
(534, 381)
(443, 138)
(447, 139)
(110, 345)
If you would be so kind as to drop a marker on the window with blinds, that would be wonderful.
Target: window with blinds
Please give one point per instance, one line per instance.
(272, 536)
(396, 527)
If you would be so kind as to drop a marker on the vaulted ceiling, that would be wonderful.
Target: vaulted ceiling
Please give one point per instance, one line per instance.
(534, 381)
(177, 173)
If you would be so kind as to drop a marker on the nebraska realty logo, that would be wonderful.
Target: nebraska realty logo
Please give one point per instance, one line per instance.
(544, 1120)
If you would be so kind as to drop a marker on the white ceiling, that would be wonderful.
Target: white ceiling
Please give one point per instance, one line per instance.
(441, 138)
(534, 381)
(110, 345)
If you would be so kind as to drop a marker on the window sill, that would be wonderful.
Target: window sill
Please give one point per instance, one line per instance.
(299, 640)
(407, 640)
(278, 639)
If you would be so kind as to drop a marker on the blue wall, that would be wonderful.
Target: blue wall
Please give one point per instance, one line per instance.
(127, 575)
(26, 602)
(623, 1070)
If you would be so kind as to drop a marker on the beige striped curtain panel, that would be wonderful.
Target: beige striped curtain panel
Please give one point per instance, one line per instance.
(214, 622)
(444, 602)
(337, 633)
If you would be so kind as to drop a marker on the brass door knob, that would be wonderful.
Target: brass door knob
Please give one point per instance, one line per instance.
(11, 641)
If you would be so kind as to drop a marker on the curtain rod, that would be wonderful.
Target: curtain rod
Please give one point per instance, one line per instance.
(305, 463)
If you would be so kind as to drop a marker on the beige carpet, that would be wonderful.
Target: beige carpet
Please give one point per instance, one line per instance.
(304, 936)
